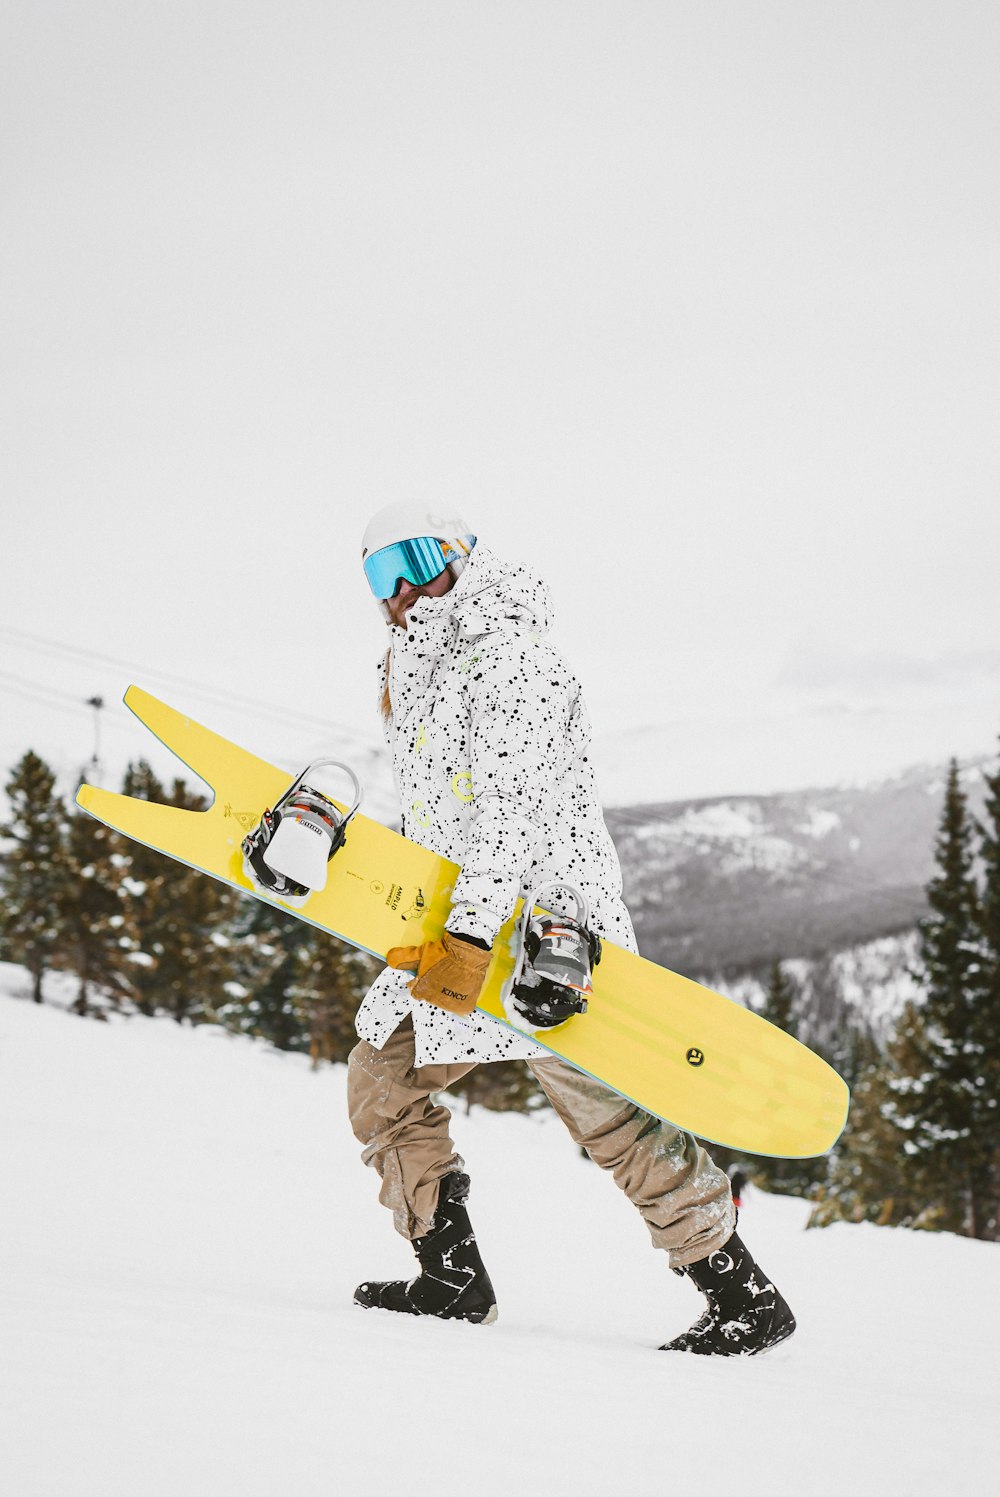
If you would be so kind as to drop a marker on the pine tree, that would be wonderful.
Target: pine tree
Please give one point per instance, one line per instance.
(96, 936)
(205, 953)
(785, 1176)
(271, 951)
(33, 869)
(940, 1088)
(504, 1086)
(866, 1181)
(780, 1001)
(328, 984)
(183, 955)
(986, 1015)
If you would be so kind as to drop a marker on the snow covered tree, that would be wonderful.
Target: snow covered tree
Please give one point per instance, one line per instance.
(33, 869)
(866, 1180)
(271, 952)
(838, 1031)
(986, 1013)
(295, 986)
(942, 1090)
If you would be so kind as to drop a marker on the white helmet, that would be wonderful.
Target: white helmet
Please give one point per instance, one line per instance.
(411, 541)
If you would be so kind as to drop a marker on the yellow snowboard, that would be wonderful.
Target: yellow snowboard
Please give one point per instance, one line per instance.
(676, 1048)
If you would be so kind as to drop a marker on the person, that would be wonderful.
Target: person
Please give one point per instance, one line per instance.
(489, 738)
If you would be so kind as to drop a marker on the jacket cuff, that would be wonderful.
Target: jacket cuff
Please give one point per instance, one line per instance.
(474, 920)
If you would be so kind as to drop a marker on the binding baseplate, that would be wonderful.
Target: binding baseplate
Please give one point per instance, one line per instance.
(555, 957)
(286, 854)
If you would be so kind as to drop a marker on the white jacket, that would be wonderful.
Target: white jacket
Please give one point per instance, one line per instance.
(489, 738)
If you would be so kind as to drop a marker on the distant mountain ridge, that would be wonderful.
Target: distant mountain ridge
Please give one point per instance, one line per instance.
(726, 885)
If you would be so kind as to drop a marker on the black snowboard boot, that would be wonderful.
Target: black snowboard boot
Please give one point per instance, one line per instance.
(745, 1314)
(452, 1283)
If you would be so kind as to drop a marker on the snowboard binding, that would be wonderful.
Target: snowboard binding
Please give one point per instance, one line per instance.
(286, 855)
(555, 958)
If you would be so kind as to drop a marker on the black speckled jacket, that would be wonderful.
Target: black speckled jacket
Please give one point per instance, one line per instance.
(490, 739)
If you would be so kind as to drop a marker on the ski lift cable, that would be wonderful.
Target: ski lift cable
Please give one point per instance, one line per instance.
(50, 698)
(41, 695)
(44, 695)
(63, 702)
(251, 705)
(71, 704)
(213, 693)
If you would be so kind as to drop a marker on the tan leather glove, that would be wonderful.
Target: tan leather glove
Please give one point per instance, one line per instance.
(450, 972)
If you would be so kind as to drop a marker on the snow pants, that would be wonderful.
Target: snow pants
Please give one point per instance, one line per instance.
(683, 1197)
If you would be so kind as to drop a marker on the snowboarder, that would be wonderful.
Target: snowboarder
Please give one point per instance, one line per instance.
(489, 737)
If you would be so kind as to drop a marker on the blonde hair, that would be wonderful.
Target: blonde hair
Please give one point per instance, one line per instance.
(385, 706)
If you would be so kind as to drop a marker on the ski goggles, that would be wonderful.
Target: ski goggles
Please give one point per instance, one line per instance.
(417, 562)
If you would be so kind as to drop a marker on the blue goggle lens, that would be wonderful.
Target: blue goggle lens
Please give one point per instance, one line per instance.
(417, 561)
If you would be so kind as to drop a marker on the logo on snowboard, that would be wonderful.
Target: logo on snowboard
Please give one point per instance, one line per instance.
(417, 908)
(394, 898)
(247, 819)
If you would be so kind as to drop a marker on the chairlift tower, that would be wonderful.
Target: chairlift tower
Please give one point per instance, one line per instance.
(94, 768)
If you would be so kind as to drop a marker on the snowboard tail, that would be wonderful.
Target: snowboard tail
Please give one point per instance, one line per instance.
(664, 1042)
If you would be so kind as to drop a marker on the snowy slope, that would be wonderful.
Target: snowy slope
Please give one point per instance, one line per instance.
(184, 1218)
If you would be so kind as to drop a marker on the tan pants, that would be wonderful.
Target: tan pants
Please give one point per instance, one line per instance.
(683, 1197)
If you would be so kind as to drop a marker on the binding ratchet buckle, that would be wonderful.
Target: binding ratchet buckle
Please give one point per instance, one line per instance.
(555, 957)
(287, 853)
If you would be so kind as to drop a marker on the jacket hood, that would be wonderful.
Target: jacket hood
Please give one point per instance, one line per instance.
(490, 597)
(493, 595)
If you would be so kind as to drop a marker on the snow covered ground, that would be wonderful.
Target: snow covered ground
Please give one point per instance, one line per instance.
(183, 1218)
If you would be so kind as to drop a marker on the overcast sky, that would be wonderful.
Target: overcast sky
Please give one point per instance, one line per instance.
(693, 306)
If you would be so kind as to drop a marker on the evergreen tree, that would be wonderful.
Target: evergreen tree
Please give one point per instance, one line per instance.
(502, 1086)
(986, 1015)
(780, 1001)
(942, 1097)
(271, 951)
(33, 869)
(785, 1176)
(183, 953)
(96, 936)
(866, 1180)
(328, 985)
